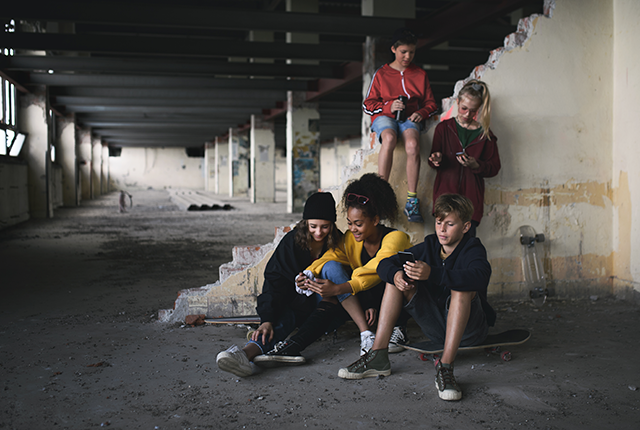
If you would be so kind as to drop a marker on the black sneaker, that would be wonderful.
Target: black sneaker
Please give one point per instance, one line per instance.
(398, 339)
(446, 384)
(286, 352)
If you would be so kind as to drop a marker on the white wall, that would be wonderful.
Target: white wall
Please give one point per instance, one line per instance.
(567, 160)
(626, 148)
(156, 168)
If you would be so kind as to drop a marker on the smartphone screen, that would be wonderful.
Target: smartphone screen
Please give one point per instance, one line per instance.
(405, 257)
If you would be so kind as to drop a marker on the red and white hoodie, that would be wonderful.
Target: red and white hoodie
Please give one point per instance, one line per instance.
(388, 83)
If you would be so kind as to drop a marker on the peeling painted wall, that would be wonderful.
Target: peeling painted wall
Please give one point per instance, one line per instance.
(564, 105)
(158, 168)
(626, 149)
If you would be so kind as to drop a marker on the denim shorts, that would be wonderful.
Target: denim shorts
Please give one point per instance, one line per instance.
(432, 319)
(384, 122)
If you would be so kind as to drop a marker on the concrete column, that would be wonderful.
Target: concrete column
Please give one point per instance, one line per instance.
(263, 166)
(376, 52)
(210, 166)
(238, 163)
(96, 166)
(66, 143)
(33, 120)
(222, 166)
(84, 163)
(104, 176)
(303, 149)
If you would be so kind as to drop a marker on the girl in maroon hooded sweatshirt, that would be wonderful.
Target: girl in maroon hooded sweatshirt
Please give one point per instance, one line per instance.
(464, 149)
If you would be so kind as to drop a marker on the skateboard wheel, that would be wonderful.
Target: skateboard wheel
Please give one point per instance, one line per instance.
(249, 334)
(424, 357)
(506, 356)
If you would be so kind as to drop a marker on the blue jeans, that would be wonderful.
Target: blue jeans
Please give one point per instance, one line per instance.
(338, 274)
(384, 122)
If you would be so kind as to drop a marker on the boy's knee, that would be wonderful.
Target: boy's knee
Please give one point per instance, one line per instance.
(411, 147)
(388, 138)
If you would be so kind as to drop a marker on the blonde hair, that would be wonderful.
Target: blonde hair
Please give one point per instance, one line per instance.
(479, 90)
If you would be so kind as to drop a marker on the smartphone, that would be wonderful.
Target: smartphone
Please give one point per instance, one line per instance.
(406, 257)
(460, 153)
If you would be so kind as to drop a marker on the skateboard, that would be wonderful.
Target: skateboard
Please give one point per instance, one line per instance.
(248, 319)
(532, 264)
(492, 344)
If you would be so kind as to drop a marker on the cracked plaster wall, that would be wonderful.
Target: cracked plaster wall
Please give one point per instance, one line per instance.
(563, 92)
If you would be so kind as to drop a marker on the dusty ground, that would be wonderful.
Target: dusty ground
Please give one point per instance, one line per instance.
(80, 347)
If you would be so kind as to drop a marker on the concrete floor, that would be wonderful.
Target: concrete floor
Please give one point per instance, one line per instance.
(80, 346)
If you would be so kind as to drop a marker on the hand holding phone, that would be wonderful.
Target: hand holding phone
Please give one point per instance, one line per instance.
(406, 257)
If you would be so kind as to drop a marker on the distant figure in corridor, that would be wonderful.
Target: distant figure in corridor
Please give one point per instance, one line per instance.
(123, 201)
(465, 151)
(399, 99)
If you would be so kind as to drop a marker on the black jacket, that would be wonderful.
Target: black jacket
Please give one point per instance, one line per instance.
(279, 288)
(466, 269)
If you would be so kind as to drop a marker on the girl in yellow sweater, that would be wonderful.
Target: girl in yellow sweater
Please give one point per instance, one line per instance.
(346, 275)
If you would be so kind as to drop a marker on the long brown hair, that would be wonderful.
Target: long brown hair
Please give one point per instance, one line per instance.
(303, 235)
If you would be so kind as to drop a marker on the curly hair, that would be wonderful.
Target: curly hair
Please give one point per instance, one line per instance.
(303, 236)
(381, 199)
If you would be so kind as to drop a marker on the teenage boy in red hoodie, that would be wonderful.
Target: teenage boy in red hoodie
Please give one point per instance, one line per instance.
(445, 291)
(401, 78)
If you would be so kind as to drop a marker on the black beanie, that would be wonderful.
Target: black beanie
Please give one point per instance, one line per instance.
(320, 206)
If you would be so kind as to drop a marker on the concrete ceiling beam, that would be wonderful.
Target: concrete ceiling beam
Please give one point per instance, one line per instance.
(160, 15)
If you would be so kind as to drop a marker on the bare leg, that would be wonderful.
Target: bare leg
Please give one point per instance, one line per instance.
(412, 147)
(252, 350)
(459, 310)
(352, 305)
(385, 157)
(389, 312)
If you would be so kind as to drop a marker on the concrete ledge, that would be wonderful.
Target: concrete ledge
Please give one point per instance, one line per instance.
(240, 283)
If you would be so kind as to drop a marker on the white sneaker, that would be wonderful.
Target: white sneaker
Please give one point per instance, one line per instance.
(234, 360)
(366, 341)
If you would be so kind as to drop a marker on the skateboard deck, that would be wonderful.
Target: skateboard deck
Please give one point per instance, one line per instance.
(532, 267)
(247, 319)
(492, 344)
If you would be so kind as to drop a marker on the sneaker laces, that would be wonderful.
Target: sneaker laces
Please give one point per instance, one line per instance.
(446, 378)
(397, 336)
(279, 346)
(361, 362)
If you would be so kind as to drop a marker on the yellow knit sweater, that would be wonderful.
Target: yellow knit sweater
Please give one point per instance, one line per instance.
(349, 252)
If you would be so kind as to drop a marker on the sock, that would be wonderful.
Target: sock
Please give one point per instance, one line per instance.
(411, 195)
(366, 333)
